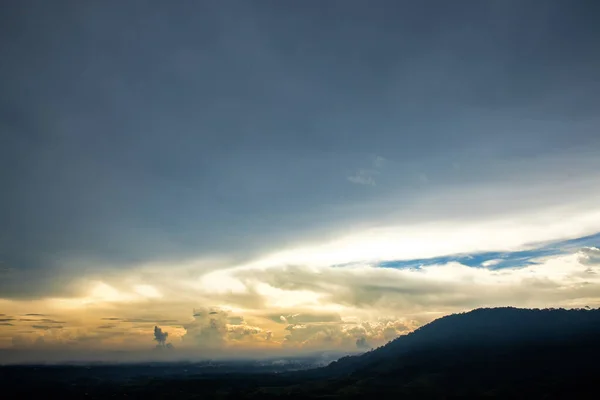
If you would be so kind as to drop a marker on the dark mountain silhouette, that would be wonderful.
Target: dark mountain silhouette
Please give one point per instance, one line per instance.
(499, 352)
(482, 328)
(485, 353)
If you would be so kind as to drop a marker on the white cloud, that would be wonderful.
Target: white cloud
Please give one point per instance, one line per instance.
(366, 176)
(363, 177)
(442, 238)
(147, 291)
(215, 328)
(330, 307)
(560, 280)
(306, 278)
(491, 263)
(589, 256)
(379, 162)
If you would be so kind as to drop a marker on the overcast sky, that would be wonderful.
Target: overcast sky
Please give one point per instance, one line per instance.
(280, 165)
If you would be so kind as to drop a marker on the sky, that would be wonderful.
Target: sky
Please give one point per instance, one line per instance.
(266, 177)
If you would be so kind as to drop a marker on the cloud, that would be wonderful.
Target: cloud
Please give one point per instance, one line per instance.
(556, 279)
(160, 336)
(320, 306)
(208, 329)
(242, 332)
(361, 343)
(304, 318)
(315, 336)
(590, 256)
(490, 263)
(148, 320)
(235, 320)
(340, 307)
(46, 327)
(141, 320)
(366, 176)
(441, 238)
(379, 162)
(344, 334)
(65, 340)
(363, 177)
(214, 328)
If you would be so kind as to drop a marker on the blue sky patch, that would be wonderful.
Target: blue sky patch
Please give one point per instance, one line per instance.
(499, 260)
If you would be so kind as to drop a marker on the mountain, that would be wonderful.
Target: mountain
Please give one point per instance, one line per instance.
(482, 328)
(497, 352)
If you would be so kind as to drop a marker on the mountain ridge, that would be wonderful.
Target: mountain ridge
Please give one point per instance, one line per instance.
(500, 325)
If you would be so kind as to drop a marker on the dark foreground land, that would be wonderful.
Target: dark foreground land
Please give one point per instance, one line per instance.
(486, 353)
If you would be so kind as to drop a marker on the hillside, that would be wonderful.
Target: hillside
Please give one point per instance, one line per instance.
(485, 352)
(482, 328)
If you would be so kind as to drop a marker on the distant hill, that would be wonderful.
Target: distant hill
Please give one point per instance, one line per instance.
(481, 328)
(491, 352)
(506, 353)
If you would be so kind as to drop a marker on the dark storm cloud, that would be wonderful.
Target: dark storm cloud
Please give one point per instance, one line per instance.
(166, 130)
(160, 336)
